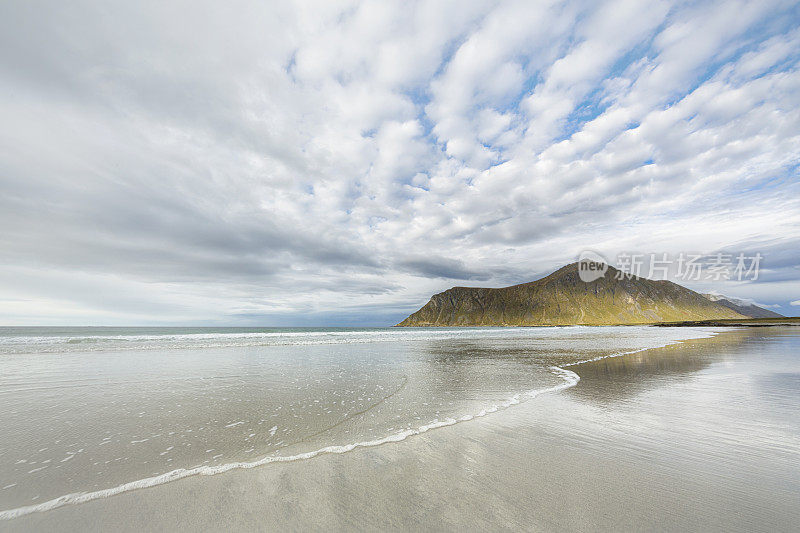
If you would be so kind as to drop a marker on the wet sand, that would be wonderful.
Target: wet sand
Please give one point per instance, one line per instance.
(701, 435)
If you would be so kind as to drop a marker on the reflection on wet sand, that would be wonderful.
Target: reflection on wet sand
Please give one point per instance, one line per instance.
(676, 439)
(614, 378)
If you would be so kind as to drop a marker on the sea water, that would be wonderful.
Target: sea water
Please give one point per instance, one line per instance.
(91, 412)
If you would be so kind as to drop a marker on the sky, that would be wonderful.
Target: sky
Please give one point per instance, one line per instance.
(336, 163)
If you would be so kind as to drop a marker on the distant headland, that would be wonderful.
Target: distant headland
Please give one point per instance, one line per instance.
(563, 298)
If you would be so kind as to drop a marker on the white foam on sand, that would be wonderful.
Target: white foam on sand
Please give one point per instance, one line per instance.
(570, 379)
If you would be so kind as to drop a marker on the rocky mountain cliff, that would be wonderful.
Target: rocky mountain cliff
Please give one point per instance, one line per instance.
(562, 298)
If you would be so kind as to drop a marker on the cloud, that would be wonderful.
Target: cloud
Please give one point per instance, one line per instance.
(441, 267)
(341, 161)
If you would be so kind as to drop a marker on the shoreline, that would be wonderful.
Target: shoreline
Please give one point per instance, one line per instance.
(731, 322)
(495, 440)
(79, 498)
(747, 323)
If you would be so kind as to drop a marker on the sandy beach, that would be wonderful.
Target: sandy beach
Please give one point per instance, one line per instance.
(367, 265)
(700, 435)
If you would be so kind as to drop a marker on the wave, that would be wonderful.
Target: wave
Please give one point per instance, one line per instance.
(570, 379)
(52, 344)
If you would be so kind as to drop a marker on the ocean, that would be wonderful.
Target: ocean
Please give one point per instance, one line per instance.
(92, 412)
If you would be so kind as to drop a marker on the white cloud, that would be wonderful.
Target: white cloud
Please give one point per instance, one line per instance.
(281, 161)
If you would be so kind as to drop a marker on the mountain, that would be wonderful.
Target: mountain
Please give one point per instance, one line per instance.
(562, 298)
(741, 307)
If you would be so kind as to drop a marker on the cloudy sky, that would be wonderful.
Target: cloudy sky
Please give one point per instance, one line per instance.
(264, 163)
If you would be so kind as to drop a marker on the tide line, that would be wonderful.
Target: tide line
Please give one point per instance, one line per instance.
(570, 380)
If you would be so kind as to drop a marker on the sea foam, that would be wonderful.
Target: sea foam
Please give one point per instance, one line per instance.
(568, 377)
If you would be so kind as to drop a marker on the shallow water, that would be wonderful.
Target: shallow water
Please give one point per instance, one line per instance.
(87, 409)
(730, 403)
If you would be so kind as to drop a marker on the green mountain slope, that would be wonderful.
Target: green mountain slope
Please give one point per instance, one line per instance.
(562, 298)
